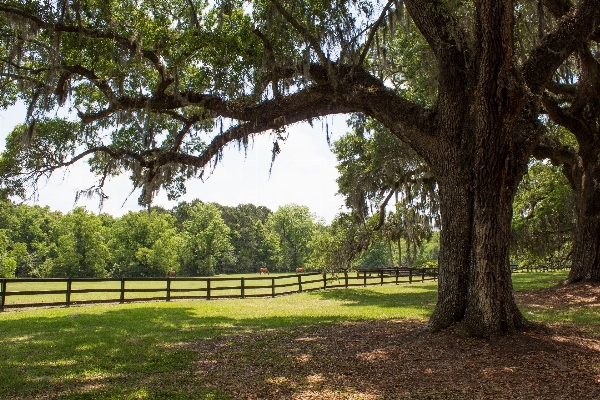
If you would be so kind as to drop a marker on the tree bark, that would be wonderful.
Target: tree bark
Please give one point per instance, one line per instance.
(408, 260)
(456, 209)
(491, 307)
(399, 253)
(390, 253)
(586, 250)
(586, 242)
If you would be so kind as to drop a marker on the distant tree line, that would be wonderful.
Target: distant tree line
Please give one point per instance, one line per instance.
(194, 239)
(203, 239)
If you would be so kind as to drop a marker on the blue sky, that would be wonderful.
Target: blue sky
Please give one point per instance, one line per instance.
(304, 173)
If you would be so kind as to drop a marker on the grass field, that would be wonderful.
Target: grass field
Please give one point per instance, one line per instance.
(145, 350)
(220, 286)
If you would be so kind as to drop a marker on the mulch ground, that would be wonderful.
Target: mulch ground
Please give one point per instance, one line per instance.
(395, 359)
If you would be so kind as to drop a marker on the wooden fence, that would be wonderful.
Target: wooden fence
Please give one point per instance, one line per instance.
(122, 290)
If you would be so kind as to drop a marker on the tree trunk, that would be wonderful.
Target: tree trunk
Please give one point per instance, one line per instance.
(399, 253)
(390, 254)
(586, 243)
(586, 250)
(455, 249)
(408, 261)
(415, 248)
(491, 307)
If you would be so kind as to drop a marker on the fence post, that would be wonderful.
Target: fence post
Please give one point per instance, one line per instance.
(168, 288)
(423, 276)
(300, 283)
(365, 278)
(3, 293)
(324, 280)
(243, 294)
(397, 274)
(122, 300)
(272, 287)
(346, 278)
(381, 273)
(208, 289)
(68, 299)
(410, 270)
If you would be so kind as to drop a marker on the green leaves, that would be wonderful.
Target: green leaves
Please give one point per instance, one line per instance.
(295, 226)
(543, 217)
(145, 245)
(82, 250)
(207, 238)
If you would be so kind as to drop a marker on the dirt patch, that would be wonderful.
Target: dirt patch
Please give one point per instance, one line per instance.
(584, 294)
(395, 359)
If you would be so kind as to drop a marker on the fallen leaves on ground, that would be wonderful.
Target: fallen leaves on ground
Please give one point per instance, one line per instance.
(396, 359)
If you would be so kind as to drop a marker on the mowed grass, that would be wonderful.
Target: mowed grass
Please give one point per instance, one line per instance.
(146, 350)
(228, 285)
(219, 286)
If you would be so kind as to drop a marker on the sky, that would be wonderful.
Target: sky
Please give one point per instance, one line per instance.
(304, 173)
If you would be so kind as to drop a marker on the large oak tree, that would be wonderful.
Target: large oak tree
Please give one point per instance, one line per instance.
(573, 102)
(148, 78)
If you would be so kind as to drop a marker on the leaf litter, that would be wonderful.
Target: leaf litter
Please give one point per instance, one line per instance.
(397, 359)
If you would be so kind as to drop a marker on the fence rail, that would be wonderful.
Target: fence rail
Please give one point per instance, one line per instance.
(66, 292)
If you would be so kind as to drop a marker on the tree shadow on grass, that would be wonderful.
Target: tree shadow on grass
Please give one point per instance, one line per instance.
(178, 351)
(421, 295)
(144, 351)
(132, 351)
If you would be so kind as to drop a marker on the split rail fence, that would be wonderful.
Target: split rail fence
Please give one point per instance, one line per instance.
(48, 292)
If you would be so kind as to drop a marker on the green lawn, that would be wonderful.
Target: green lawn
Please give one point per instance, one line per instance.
(143, 350)
(220, 286)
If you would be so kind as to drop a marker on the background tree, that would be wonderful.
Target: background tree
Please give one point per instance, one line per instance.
(336, 247)
(544, 218)
(157, 74)
(32, 234)
(572, 101)
(144, 244)
(377, 170)
(294, 226)
(254, 246)
(82, 250)
(206, 238)
(8, 263)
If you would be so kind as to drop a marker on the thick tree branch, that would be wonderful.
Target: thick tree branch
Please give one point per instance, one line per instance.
(273, 61)
(440, 29)
(562, 89)
(574, 28)
(558, 154)
(575, 125)
(449, 44)
(101, 84)
(184, 131)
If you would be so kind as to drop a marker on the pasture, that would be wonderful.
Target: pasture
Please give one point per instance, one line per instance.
(34, 292)
(49, 291)
(178, 350)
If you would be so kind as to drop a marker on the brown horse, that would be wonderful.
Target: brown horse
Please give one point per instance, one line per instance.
(172, 273)
(263, 271)
(300, 270)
